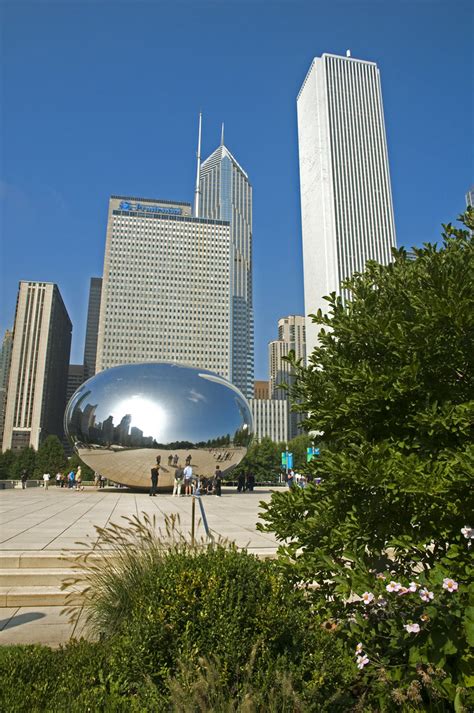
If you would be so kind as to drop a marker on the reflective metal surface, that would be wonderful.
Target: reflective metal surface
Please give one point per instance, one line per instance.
(120, 420)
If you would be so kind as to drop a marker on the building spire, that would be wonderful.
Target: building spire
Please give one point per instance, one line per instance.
(222, 134)
(197, 192)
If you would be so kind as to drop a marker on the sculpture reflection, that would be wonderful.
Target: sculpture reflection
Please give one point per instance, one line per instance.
(124, 417)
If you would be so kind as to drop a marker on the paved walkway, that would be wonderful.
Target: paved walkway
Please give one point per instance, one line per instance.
(36, 522)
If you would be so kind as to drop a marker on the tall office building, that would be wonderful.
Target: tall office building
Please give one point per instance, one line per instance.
(166, 287)
(36, 396)
(5, 359)
(225, 193)
(291, 338)
(470, 197)
(346, 199)
(92, 327)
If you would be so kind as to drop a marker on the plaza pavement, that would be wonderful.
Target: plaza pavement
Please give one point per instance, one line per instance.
(38, 525)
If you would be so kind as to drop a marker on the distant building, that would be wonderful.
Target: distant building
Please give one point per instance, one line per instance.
(5, 359)
(92, 327)
(37, 383)
(226, 194)
(261, 390)
(346, 197)
(291, 338)
(270, 419)
(75, 379)
(166, 292)
(470, 197)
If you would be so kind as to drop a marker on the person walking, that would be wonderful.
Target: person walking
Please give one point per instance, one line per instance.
(102, 481)
(188, 479)
(97, 479)
(24, 478)
(250, 481)
(154, 481)
(71, 478)
(58, 479)
(175, 460)
(46, 478)
(218, 482)
(79, 485)
(241, 483)
(178, 480)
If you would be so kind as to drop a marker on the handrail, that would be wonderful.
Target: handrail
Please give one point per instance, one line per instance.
(210, 537)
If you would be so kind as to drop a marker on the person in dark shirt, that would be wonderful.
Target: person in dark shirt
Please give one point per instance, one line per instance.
(154, 481)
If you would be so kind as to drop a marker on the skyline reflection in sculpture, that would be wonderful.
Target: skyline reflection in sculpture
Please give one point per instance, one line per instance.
(162, 406)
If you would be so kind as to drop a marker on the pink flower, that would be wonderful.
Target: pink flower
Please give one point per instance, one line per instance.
(393, 587)
(359, 648)
(403, 590)
(367, 597)
(412, 587)
(412, 628)
(380, 575)
(362, 661)
(425, 595)
(450, 584)
(468, 532)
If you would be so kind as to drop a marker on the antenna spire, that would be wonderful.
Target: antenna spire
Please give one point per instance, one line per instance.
(197, 192)
(222, 134)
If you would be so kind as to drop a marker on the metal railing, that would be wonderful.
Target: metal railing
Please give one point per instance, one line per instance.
(209, 535)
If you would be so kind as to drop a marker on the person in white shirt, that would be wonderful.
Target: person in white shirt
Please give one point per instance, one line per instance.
(46, 478)
(188, 479)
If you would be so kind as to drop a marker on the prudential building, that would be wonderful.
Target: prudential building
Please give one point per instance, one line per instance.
(346, 198)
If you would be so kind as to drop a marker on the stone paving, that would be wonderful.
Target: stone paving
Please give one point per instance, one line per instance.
(36, 523)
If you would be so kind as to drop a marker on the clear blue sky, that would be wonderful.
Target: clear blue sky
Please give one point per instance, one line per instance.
(101, 97)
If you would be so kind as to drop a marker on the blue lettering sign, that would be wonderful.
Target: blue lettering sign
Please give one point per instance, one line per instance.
(125, 205)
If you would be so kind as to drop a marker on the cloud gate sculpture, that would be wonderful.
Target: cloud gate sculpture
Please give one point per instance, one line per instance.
(123, 418)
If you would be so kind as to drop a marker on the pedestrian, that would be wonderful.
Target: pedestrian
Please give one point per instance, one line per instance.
(170, 459)
(154, 481)
(250, 481)
(188, 478)
(46, 478)
(158, 461)
(24, 478)
(58, 479)
(79, 485)
(178, 481)
(175, 460)
(218, 482)
(71, 477)
(63, 480)
(97, 479)
(188, 460)
(102, 481)
(241, 483)
(290, 478)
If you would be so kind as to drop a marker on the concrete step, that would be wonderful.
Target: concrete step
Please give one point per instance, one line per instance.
(40, 596)
(43, 559)
(22, 577)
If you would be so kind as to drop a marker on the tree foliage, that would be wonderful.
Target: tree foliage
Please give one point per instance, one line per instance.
(390, 389)
(50, 457)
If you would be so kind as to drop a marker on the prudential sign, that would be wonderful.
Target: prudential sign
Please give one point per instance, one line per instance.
(125, 205)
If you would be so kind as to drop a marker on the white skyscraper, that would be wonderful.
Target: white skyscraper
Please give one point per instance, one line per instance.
(346, 199)
(166, 287)
(225, 193)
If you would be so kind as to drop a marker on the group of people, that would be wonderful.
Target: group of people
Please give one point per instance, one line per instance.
(299, 480)
(72, 481)
(184, 479)
(245, 482)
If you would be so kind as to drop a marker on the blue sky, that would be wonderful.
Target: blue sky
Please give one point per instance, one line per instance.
(101, 97)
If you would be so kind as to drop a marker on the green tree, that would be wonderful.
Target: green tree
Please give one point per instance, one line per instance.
(7, 462)
(263, 459)
(25, 460)
(51, 457)
(298, 446)
(390, 390)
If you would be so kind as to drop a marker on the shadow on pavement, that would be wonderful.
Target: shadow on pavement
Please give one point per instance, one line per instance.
(20, 619)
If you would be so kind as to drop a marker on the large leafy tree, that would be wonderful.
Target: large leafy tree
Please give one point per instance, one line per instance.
(25, 460)
(50, 457)
(390, 389)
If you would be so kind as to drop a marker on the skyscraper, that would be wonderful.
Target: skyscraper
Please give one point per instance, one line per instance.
(166, 287)
(5, 359)
(36, 396)
(92, 327)
(225, 193)
(291, 338)
(346, 199)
